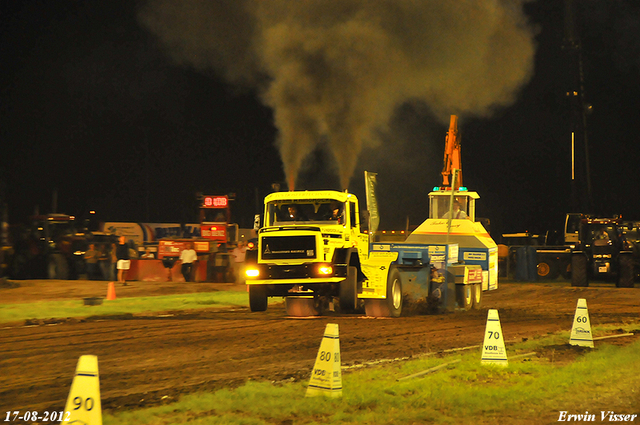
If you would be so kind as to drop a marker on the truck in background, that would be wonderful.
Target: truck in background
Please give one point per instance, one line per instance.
(590, 248)
(51, 246)
(215, 219)
(214, 224)
(602, 253)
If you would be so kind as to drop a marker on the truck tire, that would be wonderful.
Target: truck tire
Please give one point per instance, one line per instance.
(579, 271)
(301, 306)
(464, 296)
(477, 296)
(258, 298)
(58, 267)
(547, 270)
(392, 305)
(625, 271)
(349, 291)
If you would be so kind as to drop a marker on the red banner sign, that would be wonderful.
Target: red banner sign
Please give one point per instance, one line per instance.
(214, 231)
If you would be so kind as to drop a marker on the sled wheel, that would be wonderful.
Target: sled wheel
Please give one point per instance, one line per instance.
(301, 306)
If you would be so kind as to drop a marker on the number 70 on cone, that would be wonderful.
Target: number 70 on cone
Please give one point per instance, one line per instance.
(493, 349)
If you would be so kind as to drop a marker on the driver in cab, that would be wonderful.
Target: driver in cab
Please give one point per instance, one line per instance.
(457, 212)
(293, 214)
(336, 213)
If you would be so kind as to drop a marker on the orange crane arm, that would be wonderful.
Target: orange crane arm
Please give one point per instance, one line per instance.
(452, 158)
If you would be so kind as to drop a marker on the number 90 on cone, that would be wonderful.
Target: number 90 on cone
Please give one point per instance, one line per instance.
(83, 404)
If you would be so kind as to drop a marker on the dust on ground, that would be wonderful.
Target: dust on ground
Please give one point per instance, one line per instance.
(147, 360)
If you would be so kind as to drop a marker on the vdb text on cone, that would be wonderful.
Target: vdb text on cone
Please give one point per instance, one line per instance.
(111, 291)
(493, 349)
(581, 330)
(83, 404)
(326, 376)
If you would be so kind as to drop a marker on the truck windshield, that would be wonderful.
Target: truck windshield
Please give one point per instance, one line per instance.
(308, 211)
(459, 207)
(602, 234)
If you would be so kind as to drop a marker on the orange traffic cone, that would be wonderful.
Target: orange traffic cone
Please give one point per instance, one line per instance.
(111, 292)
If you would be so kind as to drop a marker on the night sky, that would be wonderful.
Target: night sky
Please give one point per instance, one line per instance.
(96, 106)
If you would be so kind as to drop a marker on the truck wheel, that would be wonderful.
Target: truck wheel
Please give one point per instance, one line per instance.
(579, 270)
(257, 298)
(477, 296)
(392, 305)
(349, 291)
(464, 296)
(301, 306)
(625, 272)
(547, 270)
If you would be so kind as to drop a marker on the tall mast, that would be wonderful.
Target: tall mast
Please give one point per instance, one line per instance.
(581, 195)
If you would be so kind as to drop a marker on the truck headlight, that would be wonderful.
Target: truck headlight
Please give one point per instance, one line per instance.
(325, 269)
(252, 272)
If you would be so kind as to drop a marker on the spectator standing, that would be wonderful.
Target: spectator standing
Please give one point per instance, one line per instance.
(91, 257)
(123, 260)
(239, 254)
(104, 262)
(147, 253)
(188, 256)
(132, 252)
(221, 263)
(113, 261)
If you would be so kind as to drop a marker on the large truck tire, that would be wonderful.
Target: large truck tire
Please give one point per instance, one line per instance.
(58, 267)
(301, 306)
(477, 296)
(579, 270)
(625, 271)
(464, 296)
(349, 291)
(547, 270)
(392, 305)
(258, 300)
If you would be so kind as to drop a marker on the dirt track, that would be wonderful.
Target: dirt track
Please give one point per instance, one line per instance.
(147, 360)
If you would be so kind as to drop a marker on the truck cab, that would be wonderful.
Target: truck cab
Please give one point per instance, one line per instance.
(441, 202)
(476, 247)
(311, 243)
(335, 214)
(602, 253)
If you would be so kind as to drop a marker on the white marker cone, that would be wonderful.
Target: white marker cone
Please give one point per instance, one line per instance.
(326, 377)
(493, 350)
(83, 404)
(581, 331)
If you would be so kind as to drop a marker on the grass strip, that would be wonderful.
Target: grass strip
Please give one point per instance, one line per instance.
(135, 305)
(525, 392)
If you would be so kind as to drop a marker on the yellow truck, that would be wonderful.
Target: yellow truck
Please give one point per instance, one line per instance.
(313, 252)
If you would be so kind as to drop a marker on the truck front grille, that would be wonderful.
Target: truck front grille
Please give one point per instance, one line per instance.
(288, 247)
